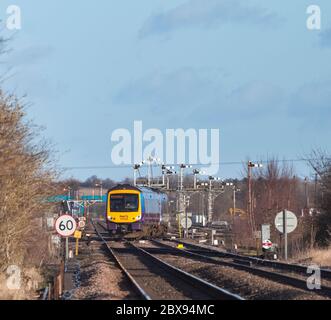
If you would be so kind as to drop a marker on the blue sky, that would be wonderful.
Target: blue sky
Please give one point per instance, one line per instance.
(250, 68)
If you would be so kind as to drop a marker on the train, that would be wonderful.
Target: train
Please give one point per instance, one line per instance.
(135, 209)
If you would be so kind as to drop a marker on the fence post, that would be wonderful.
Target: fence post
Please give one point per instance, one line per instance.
(56, 289)
(50, 291)
(60, 285)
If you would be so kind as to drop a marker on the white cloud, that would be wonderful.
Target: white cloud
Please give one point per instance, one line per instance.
(207, 13)
(200, 95)
(185, 88)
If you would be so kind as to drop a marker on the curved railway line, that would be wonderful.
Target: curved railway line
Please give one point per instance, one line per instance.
(153, 278)
(159, 270)
(295, 268)
(287, 274)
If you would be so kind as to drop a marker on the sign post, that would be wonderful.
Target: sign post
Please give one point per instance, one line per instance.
(77, 236)
(286, 222)
(66, 226)
(285, 233)
(67, 248)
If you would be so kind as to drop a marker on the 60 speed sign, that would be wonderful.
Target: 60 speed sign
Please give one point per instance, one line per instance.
(65, 226)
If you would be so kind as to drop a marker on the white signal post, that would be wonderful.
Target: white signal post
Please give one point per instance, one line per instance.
(187, 225)
(150, 161)
(166, 172)
(135, 171)
(197, 172)
(181, 176)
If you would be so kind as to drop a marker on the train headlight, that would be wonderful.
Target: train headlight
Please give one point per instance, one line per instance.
(139, 217)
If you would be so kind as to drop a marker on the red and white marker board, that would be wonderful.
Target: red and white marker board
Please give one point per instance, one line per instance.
(267, 244)
(81, 224)
(65, 226)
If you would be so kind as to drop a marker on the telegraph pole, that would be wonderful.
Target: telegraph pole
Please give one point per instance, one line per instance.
(249, 202)
(235, 190)
(250, 196)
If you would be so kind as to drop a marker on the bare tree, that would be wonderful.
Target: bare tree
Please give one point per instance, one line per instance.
(320, 161)
(26, 177)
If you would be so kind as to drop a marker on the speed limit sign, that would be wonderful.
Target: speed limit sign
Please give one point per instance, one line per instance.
(65, 226)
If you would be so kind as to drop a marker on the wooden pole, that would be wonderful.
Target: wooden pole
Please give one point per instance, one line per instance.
(50, 291)
(249, 200)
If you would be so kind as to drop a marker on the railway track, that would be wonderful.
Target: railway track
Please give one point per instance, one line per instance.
(283, 276)
(154, 279)
(295, 268)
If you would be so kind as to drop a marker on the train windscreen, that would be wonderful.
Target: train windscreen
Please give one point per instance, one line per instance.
(124, 202)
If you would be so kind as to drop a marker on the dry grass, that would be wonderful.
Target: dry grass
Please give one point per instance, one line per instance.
(321, 257)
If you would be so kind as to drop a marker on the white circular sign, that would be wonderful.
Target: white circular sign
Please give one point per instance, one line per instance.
(81, 224)
(65, 226)
(291, 221)
(189, 223)
(267, 244)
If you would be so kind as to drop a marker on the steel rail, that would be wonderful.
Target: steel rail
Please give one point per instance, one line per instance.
(274, 276)
(135, 284)
(297, 268)
(208, 288)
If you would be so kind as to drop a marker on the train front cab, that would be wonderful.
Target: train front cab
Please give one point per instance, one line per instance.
(124, 210)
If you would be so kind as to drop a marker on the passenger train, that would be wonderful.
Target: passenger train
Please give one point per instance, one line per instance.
(131, 208)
